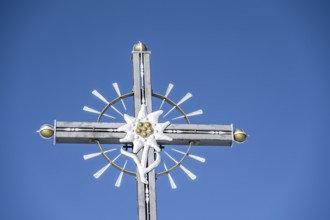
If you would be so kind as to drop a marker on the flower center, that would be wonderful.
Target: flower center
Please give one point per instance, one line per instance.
(144, 129)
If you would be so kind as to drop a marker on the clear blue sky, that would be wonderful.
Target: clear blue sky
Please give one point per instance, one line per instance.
(261, 65)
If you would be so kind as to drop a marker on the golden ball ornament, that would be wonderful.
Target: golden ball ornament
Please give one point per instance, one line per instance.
(240, 135)
(46, 131)
(140, 47)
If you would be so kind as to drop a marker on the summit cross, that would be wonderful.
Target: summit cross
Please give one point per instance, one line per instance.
(142, 136)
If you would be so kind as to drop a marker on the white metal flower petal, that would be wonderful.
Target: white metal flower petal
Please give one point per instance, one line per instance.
(137, 145)
(161, 126)
(126, 128)
(129, 119)
(153, 144)
(154, 116)
(143, 112)
(128, 138)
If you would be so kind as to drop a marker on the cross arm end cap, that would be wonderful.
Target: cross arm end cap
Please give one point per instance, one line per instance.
(240, 135)
(46, 131)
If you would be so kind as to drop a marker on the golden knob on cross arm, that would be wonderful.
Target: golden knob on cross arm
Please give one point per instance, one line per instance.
(46, 131)
(240, 135)
(140, 47)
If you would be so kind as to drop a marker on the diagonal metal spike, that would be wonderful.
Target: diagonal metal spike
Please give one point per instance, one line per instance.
(88, 109)
(99, 173)
(168, 90)
(198, 158)
(116, 87)
(185, 98)
(92, 155)
(188, 172)
(114, 108)
(99, 96)
(172, 183)
(120, 177)
(198, 112)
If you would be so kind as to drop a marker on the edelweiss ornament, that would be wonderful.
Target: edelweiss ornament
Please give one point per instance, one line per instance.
(144, 131)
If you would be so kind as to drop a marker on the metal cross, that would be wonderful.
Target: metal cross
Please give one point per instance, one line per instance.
(112, 133)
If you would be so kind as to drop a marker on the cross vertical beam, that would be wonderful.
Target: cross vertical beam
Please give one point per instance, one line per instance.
(137, 105)
(146, 193)
(151, 157)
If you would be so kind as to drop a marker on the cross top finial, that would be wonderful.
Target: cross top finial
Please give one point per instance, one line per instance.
(140, 47)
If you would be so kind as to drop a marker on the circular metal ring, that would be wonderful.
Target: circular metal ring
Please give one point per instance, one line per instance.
(113, 102)
(169, 101)
(188, 122)
(113, 163)
(98, 143)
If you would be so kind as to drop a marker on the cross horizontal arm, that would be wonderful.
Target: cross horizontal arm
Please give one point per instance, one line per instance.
(107, 133)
